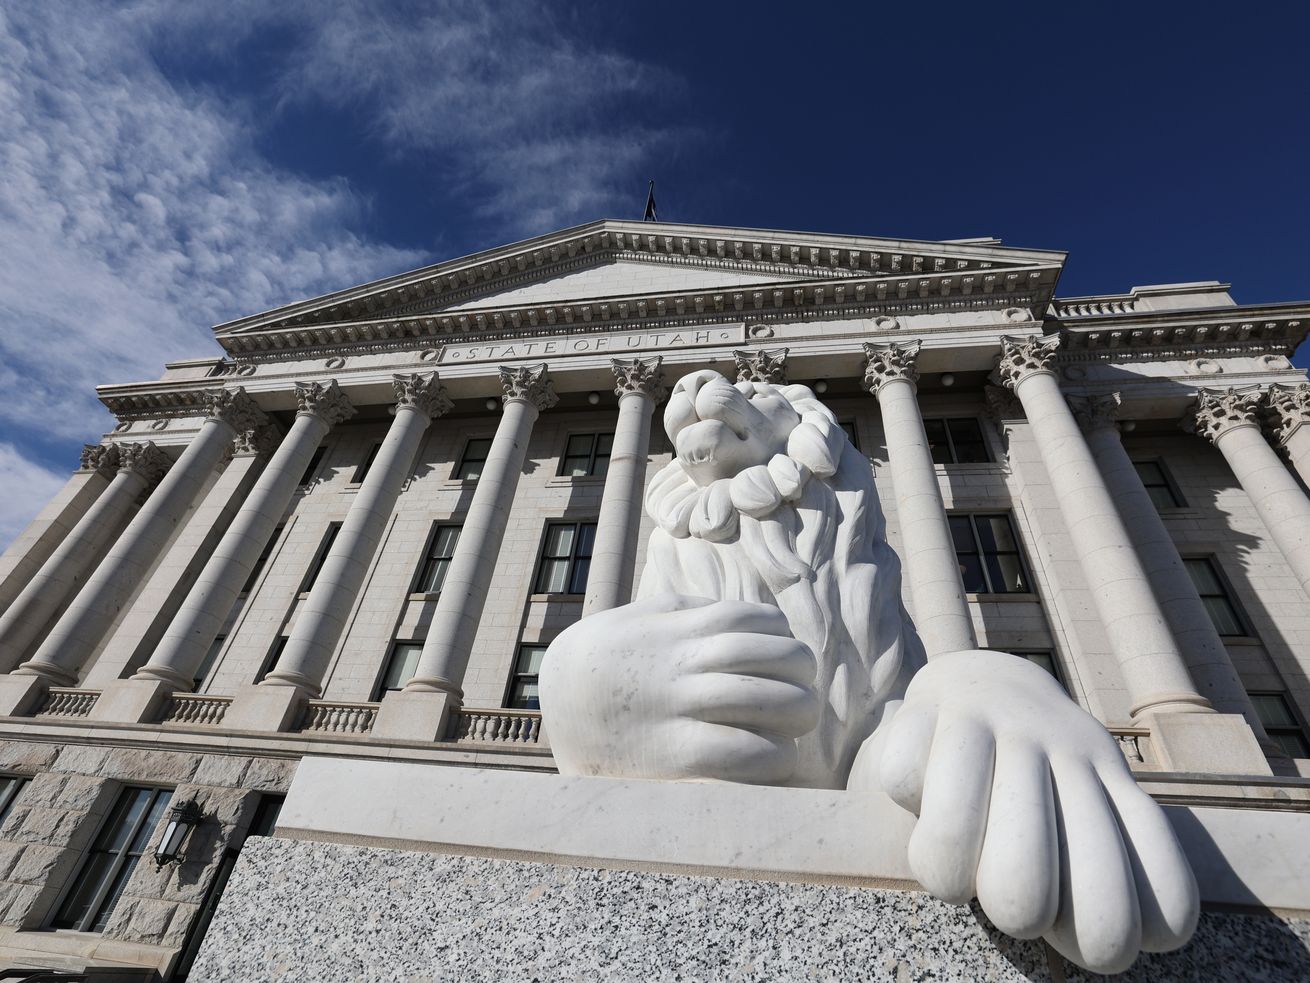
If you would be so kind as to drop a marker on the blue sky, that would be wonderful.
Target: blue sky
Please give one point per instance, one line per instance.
(168, 166)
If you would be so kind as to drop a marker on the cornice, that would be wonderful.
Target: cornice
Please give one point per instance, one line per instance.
(1276, 328)
(158, 400)
(840, 297)
(784, 254)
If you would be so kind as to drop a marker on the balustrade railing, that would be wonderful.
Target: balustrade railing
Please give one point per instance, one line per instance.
(195, 710)
(67, 702)
(1134, 742)
(1091, 308)
(328, 717)
(492, 726)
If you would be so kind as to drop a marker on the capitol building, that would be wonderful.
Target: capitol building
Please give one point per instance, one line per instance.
(272, 659)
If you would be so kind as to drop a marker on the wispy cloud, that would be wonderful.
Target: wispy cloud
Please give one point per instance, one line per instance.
(136, 211)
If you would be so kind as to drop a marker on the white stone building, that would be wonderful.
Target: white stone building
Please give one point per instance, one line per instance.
(354, 533)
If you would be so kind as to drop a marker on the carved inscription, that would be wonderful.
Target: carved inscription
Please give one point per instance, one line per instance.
(594, 344)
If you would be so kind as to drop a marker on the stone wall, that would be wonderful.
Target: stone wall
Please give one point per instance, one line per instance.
(56, 817)
(306, 911)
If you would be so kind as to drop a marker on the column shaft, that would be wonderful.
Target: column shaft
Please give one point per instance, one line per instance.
(95, 607)
(42, 536)
(322, 618)
(1207, 658)
(454, 625)
(1154, 671)
(188, 638)
(613, 559)
(67, 567)
(941, 612)
(1273, 491)
(1298, 452)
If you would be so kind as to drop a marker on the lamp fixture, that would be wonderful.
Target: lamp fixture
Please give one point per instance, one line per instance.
(492, 402)
(593, 398)
(821, 386)
(948, 379)
(182, 819)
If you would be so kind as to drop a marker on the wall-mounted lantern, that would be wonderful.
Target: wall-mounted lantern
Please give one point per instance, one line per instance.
(182, 819)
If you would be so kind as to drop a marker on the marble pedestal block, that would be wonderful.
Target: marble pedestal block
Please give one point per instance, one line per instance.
(416, 872)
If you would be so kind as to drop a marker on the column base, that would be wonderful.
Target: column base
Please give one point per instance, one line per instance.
(53, 675)
(415, 716)
(132, 701)
(266, 708)
(22, 695)
(1212, 743)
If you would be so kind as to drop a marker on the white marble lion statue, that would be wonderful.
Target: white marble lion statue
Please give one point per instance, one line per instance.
(769, 645)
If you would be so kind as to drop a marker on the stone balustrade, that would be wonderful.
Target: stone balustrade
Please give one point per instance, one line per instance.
(496, 726)
(1135, 743)
(65, 701)
(195, 710)
(332, 717)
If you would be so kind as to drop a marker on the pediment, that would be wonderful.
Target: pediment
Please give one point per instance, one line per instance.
(609, 277)
(610, 259)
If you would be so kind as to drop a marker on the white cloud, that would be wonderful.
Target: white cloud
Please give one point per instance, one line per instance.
(27, 487)
(136, 212)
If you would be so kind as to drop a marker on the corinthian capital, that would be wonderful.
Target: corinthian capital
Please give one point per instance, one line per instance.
(530, 385)
(1221, 410)
(762, 366)
(640, 375)
(146, 459)
(884, 363)
(234, 408)
(1095, 412)
(100, 457)
(325, 401)
(1022, 357)
(261, 441)
(423, 392)
(1289, 409)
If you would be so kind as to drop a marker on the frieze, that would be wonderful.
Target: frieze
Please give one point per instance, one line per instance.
(593, 344)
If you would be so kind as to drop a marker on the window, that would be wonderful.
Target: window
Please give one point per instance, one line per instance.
(440, 552)
(274, 656)
(10, 786)
(266, 813)
(312, 467)
(523, 685)
(1276, 714)
(320, 557)
(264, 554)
(988, 552)
(401, 667)
(1158, 484)
(207, 663)
(587, 454)
(362, 471)
(849, 428)
(956, 441)
(566, 558)
(113, 857)
(1214, 595)
(474, 459)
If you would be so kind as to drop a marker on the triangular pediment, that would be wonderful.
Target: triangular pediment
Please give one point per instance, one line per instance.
(611, 259)
(616, 278)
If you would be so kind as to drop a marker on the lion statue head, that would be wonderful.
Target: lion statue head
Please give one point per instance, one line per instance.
(767, 500)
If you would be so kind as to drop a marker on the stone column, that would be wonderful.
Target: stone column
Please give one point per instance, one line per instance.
(1154, 671)
(273, 703)
(1289, 417)
(94, 609)
(1231, 420)
(42, 536)
(609, 582)
(1207, 657)
(138, 466)
(422, 710)
(215, 591)
(941, 613)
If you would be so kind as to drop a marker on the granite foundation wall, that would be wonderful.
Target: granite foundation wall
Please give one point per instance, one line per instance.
(307, 911)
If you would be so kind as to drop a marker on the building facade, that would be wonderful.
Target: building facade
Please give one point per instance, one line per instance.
(354, 533)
